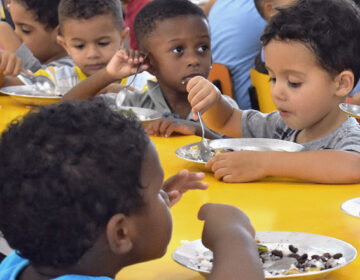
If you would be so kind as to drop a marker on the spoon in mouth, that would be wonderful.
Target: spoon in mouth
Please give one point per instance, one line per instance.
(350, 109)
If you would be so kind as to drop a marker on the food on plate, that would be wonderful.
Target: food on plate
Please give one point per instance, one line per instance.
(279, 259)
(193, 152)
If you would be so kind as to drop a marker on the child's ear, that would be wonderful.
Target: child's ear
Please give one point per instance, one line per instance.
(345, 83)
(118, 234)
(124, 37)
(61, 41)
(150, 63)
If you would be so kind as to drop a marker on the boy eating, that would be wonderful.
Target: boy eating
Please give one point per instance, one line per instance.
(175, 37)
(94, 200)
(311, 54)
(91, 31)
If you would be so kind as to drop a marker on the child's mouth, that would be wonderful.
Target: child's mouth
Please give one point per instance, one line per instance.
(185, 80)
(96, 66)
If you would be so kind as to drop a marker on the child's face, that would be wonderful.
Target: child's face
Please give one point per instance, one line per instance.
(39, 39)
(91, 42)
(179, 50)
(303, 91)
(153, 222)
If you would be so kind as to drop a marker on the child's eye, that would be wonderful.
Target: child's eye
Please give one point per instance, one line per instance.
(272, 80)
(177, 50)
(294, 85)
(104, 43)
(79, 47)
(203, 48)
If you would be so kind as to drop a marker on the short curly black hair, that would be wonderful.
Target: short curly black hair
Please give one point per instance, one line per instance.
(46, 11)
(65, 170)
(86, 9)
(329, 28)
(158, 10)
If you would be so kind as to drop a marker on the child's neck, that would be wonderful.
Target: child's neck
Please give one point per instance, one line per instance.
(322, 128)
(177, 101)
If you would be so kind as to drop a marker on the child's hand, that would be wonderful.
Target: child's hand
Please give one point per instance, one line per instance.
(241, 166)
(181, 182)
(202, 94)
(356, 99)
(222, 223)
(167, 126)
(125, 63)
(10, 64)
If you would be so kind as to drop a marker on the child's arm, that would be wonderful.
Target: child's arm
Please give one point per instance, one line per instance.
(121, 65)
(10, 67)
(8, 39)
(166, 127)
(323, 166)
(181, 182)
(218, 114)
(230, 235)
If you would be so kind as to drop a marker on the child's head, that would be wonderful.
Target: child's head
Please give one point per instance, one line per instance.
(175, 34)
(311, 53)
(81, 182)
(91, 31)
(267, 8)
(36, 24)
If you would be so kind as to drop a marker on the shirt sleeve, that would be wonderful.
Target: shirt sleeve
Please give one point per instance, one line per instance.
(260, 125)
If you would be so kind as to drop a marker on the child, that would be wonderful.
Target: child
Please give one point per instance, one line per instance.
(176, 39)
(36, 28)
(311, 54)
(94, 202)
(91, 32)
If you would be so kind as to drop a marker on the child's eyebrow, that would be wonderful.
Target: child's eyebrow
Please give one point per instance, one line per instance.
(206, 36)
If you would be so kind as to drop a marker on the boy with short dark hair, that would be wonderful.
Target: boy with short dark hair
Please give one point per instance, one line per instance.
(36, 29)
(94, 201)
(91, 31)
(311, 53)
(174, 36)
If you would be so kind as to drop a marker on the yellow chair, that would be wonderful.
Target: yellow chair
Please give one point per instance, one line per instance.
(262, 86)
(220, 76)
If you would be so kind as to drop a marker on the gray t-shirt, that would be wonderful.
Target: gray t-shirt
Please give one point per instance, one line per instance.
(153, 98)
(30, 62)
(259, 125)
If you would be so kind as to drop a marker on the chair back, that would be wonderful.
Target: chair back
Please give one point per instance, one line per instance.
(262, 85)
(220, 76)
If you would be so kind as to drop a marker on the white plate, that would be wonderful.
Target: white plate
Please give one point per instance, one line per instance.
(28, 95)
(306, 242)
(143, 114)
(352, 207)
(237, 144)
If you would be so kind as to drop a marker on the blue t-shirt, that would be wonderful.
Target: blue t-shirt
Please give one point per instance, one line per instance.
(235, 28)
(13, 264)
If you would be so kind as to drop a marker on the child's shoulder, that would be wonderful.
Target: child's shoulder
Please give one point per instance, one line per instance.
(11, 266)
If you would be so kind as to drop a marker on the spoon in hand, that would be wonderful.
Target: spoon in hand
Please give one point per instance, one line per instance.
(350, 109)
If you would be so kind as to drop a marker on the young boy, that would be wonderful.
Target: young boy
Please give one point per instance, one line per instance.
(176, 41)
(94, 202)
(311, 54)
(34, 39)
(91, 32)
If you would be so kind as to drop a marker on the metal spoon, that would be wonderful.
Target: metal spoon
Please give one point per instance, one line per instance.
(205, 150)
(350, 109)
(41, 82)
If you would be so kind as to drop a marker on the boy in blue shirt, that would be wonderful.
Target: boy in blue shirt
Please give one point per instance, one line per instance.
(93, 200)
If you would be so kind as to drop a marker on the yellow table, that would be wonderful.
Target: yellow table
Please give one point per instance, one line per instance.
(10, 110)
(272, 205)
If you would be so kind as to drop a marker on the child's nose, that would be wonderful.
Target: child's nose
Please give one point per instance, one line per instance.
(193, 59)
(92, 51)
(277, 92)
